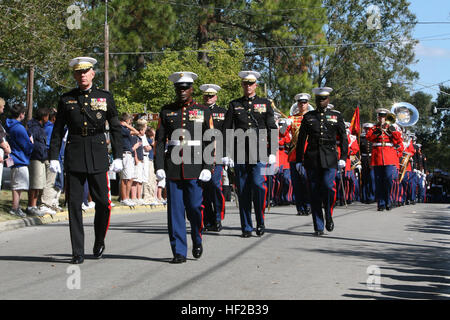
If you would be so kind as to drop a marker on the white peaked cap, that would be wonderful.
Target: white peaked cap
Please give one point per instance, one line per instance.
(322, 91)
(210, 88)
(249, 75)
(183, 76)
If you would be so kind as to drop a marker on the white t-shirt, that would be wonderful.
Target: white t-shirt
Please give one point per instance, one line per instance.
(144, 144)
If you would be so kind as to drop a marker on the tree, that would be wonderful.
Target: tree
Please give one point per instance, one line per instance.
(152, 89)
(366, 58)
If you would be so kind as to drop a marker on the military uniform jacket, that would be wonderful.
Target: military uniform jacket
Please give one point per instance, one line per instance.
(251, 114)
(85, 114)
(218, 117)
(366, 151)
(383, 151)
(181, 127)
(321, 128)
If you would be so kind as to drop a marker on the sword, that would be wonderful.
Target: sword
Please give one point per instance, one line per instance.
(343, 188)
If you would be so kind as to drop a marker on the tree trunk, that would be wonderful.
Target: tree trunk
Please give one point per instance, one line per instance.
(30, 88)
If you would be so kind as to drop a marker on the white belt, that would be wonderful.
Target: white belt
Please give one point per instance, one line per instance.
(383, 144)
(366, 154)
(192, 143)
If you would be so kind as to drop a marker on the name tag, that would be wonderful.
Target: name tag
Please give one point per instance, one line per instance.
(259, 107)
(71, 101)
(172, 114)
(196, 115)
(98, 104)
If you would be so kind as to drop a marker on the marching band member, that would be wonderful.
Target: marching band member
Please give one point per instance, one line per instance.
(384, 158)
(299, 177)
(367, 173)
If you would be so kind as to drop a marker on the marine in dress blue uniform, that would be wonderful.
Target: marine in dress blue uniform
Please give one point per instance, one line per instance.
(253, 116)
(213, 198)
(84, 111)
(182, 125)
(320, 128)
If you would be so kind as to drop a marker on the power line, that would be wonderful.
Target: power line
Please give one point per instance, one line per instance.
(280, 47)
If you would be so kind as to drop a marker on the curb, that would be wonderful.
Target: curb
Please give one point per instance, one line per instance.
(64, 216)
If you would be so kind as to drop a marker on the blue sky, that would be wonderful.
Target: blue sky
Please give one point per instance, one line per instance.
(433, 55)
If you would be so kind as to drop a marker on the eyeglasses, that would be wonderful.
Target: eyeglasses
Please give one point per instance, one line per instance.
(302, 101)
(248, 83)
(322, 98)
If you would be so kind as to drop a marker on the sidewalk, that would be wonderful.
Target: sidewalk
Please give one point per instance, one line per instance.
(64, 215)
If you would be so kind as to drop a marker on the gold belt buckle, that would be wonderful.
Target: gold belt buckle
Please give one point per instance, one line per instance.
(84, 131)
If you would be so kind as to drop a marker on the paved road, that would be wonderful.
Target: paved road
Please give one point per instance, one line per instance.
(401, 254)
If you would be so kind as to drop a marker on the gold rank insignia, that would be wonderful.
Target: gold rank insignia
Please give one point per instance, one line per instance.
(99, 104)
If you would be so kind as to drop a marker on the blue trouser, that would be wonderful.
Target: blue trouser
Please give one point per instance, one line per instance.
(285, 189)
(421, 189)
(300, 186)
(184, 196)
(322, 183)
(413, 184)
(368, 185)
(213, 198)
(251, 183)
(384, 179)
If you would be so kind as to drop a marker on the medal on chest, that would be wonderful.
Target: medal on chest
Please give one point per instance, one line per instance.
(259, 107)
(196, 115)
(98, 104)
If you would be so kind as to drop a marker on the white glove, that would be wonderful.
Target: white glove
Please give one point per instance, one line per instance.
(298, 166)
(160, 174)
(358, 167)
(205, 175)
(289, 122)
(227, 161)
(341, 164)
(117, 165)
(272, 159)
(55, 167)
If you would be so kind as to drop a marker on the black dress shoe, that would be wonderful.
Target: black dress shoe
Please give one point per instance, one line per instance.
(178, 258)
(260, 230)
(388, 208)
(217, 227)
(98, 250)
(380, 209)
(77, 260)
(329, 225)
(301, 212)
(318, 233)
(197, 251)
(246, 234)
(308, 211)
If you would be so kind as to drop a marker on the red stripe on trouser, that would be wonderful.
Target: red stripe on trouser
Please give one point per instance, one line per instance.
(334, 200)
(109, 202)
(265, 196)
(201, 224)
(223, 200)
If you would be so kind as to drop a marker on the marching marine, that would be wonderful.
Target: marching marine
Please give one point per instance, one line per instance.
(84, 111)
(183, 165)
(320, 128)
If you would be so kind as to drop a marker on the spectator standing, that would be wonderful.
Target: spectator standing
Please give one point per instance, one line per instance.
(136, 189)
(21, 149)
(149, 187)
(50, 194)
(37, 177)
(5, 150)
(127, 173)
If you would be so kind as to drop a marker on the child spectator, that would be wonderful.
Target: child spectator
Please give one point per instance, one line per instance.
(149, 187)
(136, 189)
(21, 149)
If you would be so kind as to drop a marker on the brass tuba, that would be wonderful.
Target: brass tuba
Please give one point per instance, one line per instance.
(406, 114)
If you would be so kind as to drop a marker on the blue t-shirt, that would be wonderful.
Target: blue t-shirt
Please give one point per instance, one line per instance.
(150, 153)
(126, 138)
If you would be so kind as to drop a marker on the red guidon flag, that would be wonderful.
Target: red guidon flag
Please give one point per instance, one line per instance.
(355, 125)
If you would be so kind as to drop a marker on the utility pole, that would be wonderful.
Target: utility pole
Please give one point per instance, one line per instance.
(106, 47)
(30, 88)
